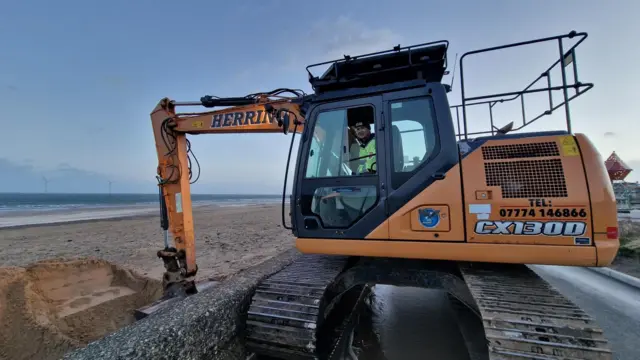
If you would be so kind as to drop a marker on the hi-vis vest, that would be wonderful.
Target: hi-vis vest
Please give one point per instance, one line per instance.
(368, 163)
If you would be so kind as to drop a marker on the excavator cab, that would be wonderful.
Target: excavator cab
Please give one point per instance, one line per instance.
(397, 93)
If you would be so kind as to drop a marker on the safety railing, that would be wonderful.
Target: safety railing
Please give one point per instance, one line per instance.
(566, 58)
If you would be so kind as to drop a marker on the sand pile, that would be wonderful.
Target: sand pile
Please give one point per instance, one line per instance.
(53, 306)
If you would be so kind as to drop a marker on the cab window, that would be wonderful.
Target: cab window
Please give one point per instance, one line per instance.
(413, 137)
(338, 147)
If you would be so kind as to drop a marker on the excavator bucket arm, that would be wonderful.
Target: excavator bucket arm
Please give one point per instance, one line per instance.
(257, 113)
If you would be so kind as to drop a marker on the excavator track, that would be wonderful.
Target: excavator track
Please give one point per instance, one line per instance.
(522, 315)
(287, 308)
(525, 318)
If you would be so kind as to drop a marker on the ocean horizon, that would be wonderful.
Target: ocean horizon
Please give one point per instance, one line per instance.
(68, 201)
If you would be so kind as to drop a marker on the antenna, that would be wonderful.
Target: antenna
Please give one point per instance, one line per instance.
(453, 75)
(46, 183)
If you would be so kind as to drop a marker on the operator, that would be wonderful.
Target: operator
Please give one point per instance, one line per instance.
(367, 153)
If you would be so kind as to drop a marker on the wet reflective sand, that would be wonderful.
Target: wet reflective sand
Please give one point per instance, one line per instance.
(410, 323)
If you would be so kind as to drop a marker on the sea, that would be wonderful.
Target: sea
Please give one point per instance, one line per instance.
(39, 209)
(10, 202)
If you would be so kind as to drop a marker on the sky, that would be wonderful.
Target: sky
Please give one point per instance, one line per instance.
(78, 79)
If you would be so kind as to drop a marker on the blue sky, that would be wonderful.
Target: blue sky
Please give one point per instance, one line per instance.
(79, 79)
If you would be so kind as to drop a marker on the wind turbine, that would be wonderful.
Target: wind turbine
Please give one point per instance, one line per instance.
(46, 183)
(110, 182)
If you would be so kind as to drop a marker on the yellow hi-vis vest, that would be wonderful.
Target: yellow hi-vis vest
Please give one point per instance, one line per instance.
(368, 163)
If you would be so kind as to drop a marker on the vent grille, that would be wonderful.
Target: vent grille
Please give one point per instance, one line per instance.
(527, 178)
(519, 151)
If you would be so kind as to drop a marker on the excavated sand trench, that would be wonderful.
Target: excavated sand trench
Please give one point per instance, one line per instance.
(51, 307)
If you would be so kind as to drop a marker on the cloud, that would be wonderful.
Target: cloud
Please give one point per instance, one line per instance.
(64, 166)
(329, 39)
(609, 134)
(345, 36)
(64, 178)
(116, 81)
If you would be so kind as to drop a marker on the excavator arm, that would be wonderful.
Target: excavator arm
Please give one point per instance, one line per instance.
(256, 113)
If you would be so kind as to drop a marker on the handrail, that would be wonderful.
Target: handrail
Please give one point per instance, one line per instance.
(565, 58)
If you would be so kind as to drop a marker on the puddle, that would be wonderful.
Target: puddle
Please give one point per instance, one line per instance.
(409, 323)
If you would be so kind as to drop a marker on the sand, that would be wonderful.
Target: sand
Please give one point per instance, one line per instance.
(65, 285)
(228, 239)
(51, 307)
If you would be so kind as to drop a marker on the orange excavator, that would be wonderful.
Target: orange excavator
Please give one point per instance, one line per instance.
(439, 208)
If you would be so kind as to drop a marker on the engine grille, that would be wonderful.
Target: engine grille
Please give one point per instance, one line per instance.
(518, 151)
(527, 178)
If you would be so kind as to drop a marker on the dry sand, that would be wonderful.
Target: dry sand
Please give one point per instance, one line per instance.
(65, 285)
(228, 239)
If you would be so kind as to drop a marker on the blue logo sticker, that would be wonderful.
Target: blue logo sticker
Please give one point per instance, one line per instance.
(429, 218)
(582, 241)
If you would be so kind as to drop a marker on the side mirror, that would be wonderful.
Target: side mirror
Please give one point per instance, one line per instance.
(505, 129)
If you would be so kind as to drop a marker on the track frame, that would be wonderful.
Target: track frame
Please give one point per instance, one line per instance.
(309, 309)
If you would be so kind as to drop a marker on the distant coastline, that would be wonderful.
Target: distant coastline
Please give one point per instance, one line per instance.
(30, 202)
(32, 209)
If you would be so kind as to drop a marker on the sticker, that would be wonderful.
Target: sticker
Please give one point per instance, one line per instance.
(572, 212)
(429, 218)
(178, 202)
(569, 146)
(346, 189)
(482, 211)
(582, 241)
(550, 228)
(198, 124)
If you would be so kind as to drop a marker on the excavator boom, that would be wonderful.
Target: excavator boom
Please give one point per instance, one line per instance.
(257, 113)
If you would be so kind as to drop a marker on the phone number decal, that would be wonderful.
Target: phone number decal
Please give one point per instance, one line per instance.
(548, 212)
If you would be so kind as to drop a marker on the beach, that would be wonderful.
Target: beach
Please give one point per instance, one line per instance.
(67, 279)
(228, 239)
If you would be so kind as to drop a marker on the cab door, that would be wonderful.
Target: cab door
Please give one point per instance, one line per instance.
(424, 196)
(331, 200)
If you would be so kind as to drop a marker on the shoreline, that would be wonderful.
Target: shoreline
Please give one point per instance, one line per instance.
(27, 219)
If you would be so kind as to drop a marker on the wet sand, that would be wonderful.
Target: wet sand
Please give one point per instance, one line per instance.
(228, 239)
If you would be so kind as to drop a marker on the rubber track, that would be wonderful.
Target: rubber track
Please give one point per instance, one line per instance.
(525, 318)
(284, 310)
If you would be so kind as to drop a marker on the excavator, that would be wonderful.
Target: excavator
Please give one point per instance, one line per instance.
(433, 207)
